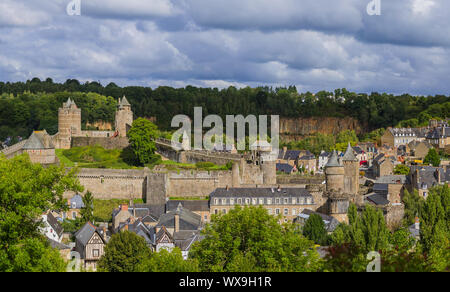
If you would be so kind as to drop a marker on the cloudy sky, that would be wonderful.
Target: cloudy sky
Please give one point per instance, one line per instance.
(313, 44)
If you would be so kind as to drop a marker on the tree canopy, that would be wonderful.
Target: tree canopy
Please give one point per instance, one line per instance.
(142, 137)
(250, 240)
(28, 190)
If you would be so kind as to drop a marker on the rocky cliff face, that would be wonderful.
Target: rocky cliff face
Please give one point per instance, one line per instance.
(294, 129)
(100, 125)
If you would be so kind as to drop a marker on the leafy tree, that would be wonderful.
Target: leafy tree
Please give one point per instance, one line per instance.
(87, 213)
(435, 228)
(401, 169)
(413, 206)
(314, 230)
(367, 230)
(249, 239)
(141, 136)
(165, 261)
(31, 255)
(27, 190)
(124, 252)
(432, 158)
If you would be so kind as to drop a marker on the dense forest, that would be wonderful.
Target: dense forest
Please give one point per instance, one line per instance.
(31, 105)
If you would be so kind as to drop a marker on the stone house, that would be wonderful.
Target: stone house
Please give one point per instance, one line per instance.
(395, 137)
(307, 162)
(286, 168)
(289, 156)
(418, 150)
(392, 187)
(288, 202)
(382, 165)
(423, 178)
(147, 213)
(439, 137)
(199, 207)
(90, 242)
(369, 148)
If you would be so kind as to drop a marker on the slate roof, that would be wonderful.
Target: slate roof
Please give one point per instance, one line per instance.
(437, 133)
(391, 179)
(308, 157)
(78, 200)
(358, 150)
(284, 167)
(380, 188)
(54, 224)
(85, 233)
(143, 210)
(325, 154)
(188, 220)
(333, 161)
(192, 205)
(124, 102)
(38, 140)
(185, 239)
(58, 245)
(349, 154)
(260, 192)
(408, 132)
(377, 199)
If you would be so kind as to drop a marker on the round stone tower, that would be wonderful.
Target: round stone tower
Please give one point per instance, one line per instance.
(338, 204)
(351, 171)
(69, 124)
(124, 117)
(334, 174)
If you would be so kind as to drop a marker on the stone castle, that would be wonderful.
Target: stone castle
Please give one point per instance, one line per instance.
(69, 124)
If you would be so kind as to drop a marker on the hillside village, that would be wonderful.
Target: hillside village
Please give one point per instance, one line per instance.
(170, 208)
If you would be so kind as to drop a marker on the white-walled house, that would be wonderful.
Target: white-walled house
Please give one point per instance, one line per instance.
(51, 227)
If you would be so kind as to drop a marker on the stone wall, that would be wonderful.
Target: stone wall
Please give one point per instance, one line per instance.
(107, 143)
(113, 183)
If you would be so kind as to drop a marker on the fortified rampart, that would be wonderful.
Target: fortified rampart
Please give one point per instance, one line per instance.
(107, 143)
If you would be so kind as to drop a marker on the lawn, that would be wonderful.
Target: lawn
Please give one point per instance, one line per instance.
(103, 208)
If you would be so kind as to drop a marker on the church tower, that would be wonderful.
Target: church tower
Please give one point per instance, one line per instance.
(69, 124)
(124, 117)
(351, 172)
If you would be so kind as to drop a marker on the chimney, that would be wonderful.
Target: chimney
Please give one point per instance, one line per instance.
(104, 232)
(227, 188)
(284, 149)
(177, 222)
(417, 223)
(279, 188)
(126, 227)
(124, 207)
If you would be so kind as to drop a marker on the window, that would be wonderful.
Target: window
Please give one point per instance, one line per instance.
(294, 212)
(261, 201)
(277, 201)
(285, 201)
(239, 201)
(224, 211)
(215, 202)
(216, 211)
(254, 202)
(232, 202)
(206, 217)
(74, 205)
(269, 211)
(95, 253)
(247, 201)
(223, 201)
(286, 212)
(277, 211)
(269, 201)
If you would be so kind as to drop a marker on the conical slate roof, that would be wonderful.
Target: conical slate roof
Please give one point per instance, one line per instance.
(124, 102)
(349, 155)
(333, 161)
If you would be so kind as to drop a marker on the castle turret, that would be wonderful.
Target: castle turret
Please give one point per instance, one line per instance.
(351, 171)
(69, 123)
(124, 117)
(334, 174)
